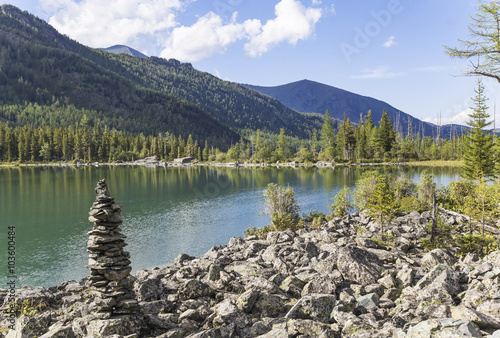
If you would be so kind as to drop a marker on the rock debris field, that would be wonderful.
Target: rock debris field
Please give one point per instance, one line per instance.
(335, 281)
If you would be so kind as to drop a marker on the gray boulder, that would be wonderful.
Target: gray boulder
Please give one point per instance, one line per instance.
(436, 257)
(439, 286)
(444, 328)
(315, 306)
(359, 265)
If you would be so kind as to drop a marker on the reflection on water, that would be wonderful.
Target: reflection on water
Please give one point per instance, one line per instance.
(166, 211)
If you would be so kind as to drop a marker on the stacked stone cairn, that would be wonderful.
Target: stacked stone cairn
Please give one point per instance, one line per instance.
(109, 264)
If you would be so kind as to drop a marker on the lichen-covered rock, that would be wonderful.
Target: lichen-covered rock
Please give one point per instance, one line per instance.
(275, 333)
(227, 312)
(436, 257)
(444, 328)
(59, 330)
(149, 290)
(308, 328)
(439, 286)
(315, 306)
(247, 300)
(195, 289)
(482, 320)
(270, 305)
(359, 265)
(27, 327)
(490, 307)
(292, 285)
(123, 326)
(357, 328)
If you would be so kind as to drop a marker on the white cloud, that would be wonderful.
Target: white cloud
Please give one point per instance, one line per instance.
(152, 25)
(293, 22)
(389, 43)
(207, 37)
(377, 73)
(460, 118)
(100, 23)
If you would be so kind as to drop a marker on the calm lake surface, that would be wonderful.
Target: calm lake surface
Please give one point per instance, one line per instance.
(166, 211)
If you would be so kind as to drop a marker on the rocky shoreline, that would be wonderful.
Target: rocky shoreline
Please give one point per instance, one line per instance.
(335, 281)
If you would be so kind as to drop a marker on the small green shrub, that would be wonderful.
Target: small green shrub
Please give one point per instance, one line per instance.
(314, 218)
(311, 215)
(444, 237)
(341, 203)
(259, 232)
(281, 206)
(476, 244)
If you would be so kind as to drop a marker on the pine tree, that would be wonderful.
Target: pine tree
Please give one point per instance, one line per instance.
(281, 147)
(387, 135)
(346, 140)
(478, 152)
(205, 152)
(314, 143)
(381, 202)
(327, 133)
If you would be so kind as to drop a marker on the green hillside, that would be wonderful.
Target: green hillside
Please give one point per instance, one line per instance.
(48, 79)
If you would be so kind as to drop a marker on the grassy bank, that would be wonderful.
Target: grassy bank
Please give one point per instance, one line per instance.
(437, 163)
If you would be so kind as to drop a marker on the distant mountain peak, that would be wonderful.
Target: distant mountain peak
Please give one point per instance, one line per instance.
(308, 96)
(122, 49)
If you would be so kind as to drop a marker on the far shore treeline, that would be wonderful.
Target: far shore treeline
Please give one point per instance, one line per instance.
(92, 141)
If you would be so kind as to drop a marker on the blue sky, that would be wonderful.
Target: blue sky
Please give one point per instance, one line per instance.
(391, 50)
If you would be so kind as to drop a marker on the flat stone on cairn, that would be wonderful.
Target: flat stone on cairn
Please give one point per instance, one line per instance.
(109, 264)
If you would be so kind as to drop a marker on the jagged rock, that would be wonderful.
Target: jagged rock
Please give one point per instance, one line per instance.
(480, 319)
(292, 285)
(194, 289)
(476, 294)
(227, 312)
(315, 306)
(149, 290)
(439, 286)
(308, 283)
(436, 257)
(59, 330)
(359, 265)
(191, 314)
(27, 327)
(179, 260)
(308, 328)
(275, 333)
(247, 300)
(270, 305)
(405, 276)
(368, 301)
(122, 326)
(434, 311)
(319, 284)
(256, 330)
(358, 328)
(490, 307)
(446, 327)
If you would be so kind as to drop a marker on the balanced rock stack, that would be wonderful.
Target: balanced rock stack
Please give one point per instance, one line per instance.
(109, 265)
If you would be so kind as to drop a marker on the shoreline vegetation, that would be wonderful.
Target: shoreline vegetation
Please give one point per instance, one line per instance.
(156, 163)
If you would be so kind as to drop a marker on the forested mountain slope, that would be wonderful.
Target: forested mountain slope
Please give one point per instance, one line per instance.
(41, 68)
